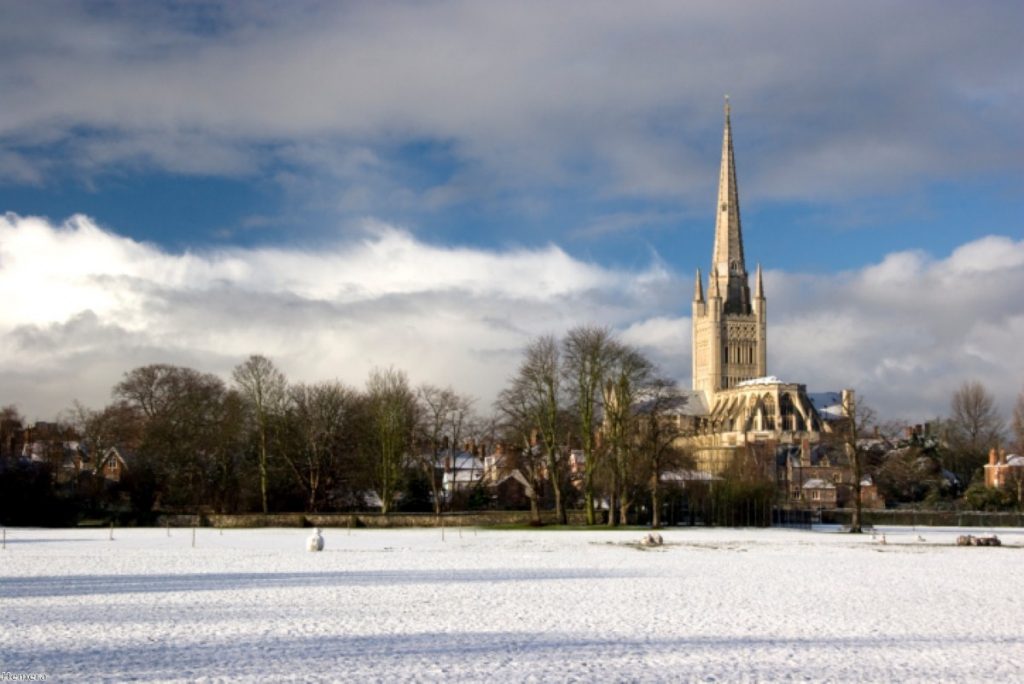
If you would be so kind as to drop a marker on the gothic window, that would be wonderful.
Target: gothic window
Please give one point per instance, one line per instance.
(791, 418)
(768, 405)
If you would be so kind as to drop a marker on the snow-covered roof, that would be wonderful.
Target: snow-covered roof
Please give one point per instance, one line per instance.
(462, 460)
(520, 478)
(1015, 460)
(462, 476)
(766, 380)
(687, 476)
(818, 483)
(683, 403)
(829, 405)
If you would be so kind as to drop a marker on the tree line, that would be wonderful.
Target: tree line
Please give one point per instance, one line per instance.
(586, 421)
(260, 443)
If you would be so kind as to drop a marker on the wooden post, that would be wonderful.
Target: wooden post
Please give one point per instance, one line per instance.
(168, 525)
(193, 537)
(111, 530)
(442, 528)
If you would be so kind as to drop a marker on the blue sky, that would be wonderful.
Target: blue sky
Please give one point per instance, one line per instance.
(578, 137)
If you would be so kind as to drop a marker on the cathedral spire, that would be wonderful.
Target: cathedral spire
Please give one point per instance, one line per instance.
(728, 259)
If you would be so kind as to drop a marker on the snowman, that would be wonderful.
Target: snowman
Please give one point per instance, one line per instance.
(315, 541)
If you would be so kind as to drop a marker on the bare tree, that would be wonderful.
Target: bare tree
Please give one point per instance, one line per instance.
(392, 416)
(444, 415)
(181, 415)
(974, 426)
(587, 356)
(116, 425)
(12, 426)
(517, 420)
(658, 416)
(264, 387)
(858, 421)
(537, 382)
(629, 375)
(321, 419)
(1017, 424)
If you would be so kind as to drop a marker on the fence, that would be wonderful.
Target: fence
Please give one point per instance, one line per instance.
(912, 518)
(469, 519)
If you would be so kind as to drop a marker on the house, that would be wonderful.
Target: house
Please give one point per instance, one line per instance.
(819, 493)
(1003, 471)
(112, 465)
(820, 477)
(461, 470)
(513, 491)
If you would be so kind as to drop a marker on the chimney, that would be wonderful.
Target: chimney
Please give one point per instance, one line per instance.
(1002, 457)
(992, 456)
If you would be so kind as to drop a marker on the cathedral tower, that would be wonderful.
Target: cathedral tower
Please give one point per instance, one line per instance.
(729, 326)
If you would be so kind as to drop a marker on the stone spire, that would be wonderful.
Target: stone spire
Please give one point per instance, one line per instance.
(758, 284)
(714, 291)
(727, 259)
(698, 289)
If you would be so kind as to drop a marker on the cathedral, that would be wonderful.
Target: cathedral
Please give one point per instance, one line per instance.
(734, 403)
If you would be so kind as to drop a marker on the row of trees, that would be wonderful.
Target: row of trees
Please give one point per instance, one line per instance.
(588, 419)
(260, 443)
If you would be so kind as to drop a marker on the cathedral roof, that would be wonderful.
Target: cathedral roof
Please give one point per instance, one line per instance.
(687, 403)
(829, 405)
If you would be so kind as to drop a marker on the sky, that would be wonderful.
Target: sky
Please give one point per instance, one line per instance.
(430, 185)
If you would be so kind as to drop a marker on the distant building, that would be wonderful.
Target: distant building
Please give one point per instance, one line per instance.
(1004, 471)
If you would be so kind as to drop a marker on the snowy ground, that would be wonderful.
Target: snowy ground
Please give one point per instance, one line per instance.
(487, 605)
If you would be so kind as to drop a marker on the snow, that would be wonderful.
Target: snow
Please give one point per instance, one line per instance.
(491, 605)
(766, 380)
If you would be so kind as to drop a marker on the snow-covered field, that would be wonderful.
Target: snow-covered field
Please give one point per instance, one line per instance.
(487, 605)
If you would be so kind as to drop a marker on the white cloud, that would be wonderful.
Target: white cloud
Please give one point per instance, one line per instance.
(906, 331)
(83, 305)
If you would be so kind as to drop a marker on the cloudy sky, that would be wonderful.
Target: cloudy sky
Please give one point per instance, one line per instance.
(429, 185)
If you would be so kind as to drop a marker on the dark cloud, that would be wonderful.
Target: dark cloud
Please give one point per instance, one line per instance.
(835, 99)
